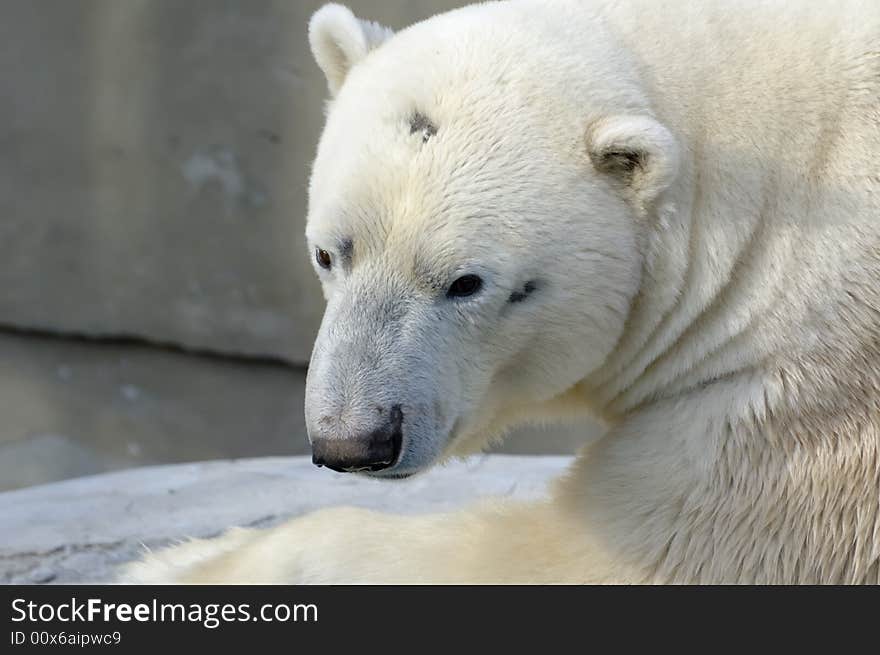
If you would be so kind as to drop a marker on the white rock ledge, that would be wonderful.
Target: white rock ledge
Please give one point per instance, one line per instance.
(78, 531)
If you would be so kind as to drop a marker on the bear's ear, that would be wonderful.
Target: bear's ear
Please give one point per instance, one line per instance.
(638, 152)
(339, 40)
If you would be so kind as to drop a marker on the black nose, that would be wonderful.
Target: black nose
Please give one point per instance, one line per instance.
(373, 451)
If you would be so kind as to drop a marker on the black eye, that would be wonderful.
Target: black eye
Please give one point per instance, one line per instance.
(466, 285)
(323, 258)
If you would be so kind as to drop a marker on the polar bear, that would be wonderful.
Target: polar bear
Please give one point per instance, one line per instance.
(665, 215)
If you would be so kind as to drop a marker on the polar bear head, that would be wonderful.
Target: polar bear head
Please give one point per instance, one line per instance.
(476, 212)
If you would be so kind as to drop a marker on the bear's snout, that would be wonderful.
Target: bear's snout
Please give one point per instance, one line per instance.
(375, 449)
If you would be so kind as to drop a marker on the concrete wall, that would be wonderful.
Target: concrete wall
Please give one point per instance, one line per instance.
(154, 158)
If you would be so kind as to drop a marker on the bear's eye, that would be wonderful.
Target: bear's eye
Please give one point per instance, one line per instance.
(323, 258)
(466, 285)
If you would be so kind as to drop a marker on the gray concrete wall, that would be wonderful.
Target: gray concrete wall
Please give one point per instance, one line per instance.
(154, 157)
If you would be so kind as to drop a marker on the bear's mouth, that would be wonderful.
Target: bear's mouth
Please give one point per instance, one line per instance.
(389, 475)
(412, 468)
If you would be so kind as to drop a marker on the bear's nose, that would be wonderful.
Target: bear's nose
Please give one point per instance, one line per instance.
(374, 450)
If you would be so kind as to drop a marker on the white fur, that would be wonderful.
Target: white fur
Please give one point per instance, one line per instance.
(646, 138)
(716, 303)
(339, 40)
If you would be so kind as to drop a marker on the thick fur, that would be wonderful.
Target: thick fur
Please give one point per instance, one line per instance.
(694, 190)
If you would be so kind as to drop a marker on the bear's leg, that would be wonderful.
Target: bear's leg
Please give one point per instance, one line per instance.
(500, 542)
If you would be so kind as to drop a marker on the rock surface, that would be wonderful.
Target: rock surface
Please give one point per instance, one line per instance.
(78, 531)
